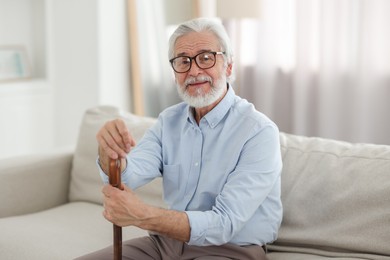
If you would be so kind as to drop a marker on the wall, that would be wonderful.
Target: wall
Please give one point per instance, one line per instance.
(80, 61)
(25, 106)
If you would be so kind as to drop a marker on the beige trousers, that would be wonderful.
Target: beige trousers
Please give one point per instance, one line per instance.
(162, 248)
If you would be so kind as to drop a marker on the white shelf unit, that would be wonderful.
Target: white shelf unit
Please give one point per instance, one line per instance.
(79, 57)
(26, 105)
(23, 23)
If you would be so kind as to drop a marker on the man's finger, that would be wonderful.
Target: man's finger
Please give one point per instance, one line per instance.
(112, 147)
(124, 134)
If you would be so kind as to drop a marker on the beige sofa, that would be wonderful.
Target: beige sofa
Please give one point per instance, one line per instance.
(336, 198)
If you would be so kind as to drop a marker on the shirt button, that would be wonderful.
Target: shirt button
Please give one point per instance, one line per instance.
(196, 164)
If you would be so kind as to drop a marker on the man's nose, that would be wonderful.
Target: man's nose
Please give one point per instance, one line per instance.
(194, 70)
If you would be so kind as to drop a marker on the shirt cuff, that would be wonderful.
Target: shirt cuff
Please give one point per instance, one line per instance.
(101, 172)
(199, 225)
(104, 176)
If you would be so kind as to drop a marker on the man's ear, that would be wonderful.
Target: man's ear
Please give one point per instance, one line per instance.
(229, 69)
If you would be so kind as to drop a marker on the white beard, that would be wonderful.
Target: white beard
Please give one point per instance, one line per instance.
(202, 99)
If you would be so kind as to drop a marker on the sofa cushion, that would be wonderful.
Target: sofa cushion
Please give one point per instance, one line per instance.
(86, 184)
(305, 256)
(60, 233)
(336, 198)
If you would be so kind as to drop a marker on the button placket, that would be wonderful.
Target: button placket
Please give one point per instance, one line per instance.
(194, 174)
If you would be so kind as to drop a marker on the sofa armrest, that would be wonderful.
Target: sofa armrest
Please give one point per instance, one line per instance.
(33, 183)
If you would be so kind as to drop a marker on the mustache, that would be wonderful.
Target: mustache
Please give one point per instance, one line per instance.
(198, 79)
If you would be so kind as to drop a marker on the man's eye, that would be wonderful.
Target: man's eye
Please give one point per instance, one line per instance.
(185, 61)
(182, 61)
(205, 58)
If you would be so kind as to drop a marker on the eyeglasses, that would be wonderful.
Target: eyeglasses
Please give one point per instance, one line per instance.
(203, 60)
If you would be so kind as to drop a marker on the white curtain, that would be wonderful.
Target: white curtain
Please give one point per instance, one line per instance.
(158, 86)
(318, 67)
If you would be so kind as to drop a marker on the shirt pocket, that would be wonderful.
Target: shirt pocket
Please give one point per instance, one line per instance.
(171, 178)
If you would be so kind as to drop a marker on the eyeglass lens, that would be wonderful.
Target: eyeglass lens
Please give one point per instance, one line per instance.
(204, 60)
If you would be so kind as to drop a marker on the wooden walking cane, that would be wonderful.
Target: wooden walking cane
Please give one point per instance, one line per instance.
(115, 181)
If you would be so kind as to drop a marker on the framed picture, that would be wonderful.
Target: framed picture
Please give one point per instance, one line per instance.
(14, 63)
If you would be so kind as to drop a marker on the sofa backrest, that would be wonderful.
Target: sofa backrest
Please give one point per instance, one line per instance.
(85, 183)
(336, 196)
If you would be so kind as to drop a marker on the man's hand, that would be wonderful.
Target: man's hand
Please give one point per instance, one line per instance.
(114, 141)
(125, 208)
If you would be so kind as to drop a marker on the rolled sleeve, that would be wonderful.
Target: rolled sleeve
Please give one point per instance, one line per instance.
(103, 175)
(199, 225)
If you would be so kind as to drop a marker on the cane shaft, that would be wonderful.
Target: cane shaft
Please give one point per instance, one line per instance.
(117, 242)
(115, 181)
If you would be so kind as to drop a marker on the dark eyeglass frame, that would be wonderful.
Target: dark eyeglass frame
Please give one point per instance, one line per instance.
(214, 53)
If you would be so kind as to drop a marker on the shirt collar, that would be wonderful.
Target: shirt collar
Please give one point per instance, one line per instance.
(218, 112)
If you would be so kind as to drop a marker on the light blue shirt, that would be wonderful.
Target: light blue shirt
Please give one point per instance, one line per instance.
(224, 173)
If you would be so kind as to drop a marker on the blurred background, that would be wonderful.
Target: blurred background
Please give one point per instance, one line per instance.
(315, 67)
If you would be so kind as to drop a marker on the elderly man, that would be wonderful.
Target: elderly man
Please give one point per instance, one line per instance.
(219, 159)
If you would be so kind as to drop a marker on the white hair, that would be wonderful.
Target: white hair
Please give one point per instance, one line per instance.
(204, 25)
